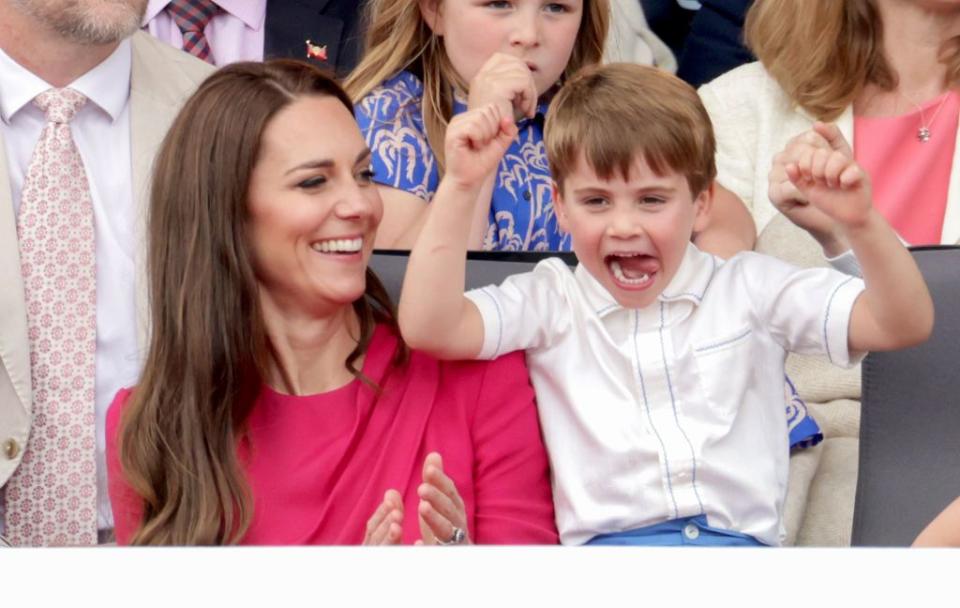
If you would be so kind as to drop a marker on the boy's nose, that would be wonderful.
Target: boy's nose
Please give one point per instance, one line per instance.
(624, 225)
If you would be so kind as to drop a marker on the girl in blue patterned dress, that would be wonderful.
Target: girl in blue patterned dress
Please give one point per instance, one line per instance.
(428, 60)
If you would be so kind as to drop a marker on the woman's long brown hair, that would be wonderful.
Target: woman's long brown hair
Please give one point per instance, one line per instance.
(208, 348)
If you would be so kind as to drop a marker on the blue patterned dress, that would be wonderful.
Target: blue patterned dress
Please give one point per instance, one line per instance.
(521, 212)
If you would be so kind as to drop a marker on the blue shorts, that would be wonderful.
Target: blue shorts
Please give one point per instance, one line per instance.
(686, 531)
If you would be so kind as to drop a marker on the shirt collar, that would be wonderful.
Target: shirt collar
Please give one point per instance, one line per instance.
(251, 12)
(688, 284)
(107, 85)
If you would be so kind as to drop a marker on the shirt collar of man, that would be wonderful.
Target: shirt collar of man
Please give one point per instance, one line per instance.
(688, 285)
(107, 85)
(251, 12)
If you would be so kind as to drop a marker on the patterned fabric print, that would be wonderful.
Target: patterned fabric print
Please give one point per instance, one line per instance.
(804, 430)
(192, 17)
(522, 217)
(51, 498)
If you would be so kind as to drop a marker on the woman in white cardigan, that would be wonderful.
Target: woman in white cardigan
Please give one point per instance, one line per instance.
(886, 71)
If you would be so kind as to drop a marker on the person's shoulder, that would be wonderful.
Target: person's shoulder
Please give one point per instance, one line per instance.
(748, 74)
(167, 61)
(117, 407)
(399, 95)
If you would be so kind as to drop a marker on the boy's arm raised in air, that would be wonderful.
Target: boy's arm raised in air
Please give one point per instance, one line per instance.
(895, 310)
(434, 315)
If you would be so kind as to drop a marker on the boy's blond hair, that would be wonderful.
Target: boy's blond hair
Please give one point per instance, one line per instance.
(614, 112)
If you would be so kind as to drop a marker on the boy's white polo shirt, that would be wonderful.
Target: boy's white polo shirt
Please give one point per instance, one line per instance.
(677, 408)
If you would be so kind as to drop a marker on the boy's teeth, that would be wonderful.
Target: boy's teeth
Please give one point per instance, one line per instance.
(339, 245)
(618, 272)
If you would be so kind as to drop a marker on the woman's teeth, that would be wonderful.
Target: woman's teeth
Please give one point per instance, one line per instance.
(339, 245)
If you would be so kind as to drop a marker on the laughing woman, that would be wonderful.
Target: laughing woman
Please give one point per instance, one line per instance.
(277, 403)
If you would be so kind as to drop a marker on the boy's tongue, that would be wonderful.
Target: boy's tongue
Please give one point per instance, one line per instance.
(638, 265)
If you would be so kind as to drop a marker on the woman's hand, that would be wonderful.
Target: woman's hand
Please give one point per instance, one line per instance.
(476, 140)
(820, 142)
(506, 82)
(385, 526)
(441, 510)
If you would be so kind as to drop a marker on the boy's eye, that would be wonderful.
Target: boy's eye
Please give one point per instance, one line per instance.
(595, 201)
(653, 200)
(313, 182)
(366, 176)
(497, 4)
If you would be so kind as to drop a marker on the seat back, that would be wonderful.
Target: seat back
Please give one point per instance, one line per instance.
(483, 268)
(910, 420)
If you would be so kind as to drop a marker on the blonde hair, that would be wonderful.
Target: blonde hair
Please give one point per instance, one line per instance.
(612, 113)
(823, 52)
(398, 38)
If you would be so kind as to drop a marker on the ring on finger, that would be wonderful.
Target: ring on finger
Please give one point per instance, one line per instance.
(457, 537)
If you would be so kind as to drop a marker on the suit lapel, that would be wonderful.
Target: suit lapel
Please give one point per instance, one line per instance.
(153, 107)
(14, 347)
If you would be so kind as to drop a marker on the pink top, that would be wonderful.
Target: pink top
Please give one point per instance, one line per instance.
(910, 177)
(319, 465)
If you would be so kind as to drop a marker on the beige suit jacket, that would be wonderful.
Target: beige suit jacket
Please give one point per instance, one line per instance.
(161, 78)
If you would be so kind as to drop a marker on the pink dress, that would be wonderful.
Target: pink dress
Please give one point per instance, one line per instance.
(910, 177)
(319, 465)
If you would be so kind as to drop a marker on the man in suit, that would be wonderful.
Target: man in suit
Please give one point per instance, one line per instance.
(128, 88)
(324, 32)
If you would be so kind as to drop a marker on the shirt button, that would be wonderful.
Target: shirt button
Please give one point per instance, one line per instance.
(526, 195)
(11, 449)
(691, 531)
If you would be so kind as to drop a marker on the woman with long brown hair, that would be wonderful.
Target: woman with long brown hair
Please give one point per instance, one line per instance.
(278, 404)
(886, 71)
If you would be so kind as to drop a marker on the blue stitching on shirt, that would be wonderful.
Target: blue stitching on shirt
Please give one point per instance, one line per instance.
(646, 405)
(724, 343)
(676, 417)
(826, 318)
(606, 308)
(496, 306)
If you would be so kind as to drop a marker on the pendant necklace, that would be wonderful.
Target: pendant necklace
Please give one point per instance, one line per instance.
(923, 132)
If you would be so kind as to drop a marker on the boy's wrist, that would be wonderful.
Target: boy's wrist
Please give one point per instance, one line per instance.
(869, 223)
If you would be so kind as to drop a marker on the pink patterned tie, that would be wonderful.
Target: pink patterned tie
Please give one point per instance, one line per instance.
(51, 498)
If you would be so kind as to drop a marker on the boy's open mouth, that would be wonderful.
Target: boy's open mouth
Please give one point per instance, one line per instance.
(632, 270)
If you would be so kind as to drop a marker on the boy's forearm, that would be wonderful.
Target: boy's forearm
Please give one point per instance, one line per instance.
(896, 295)
(432, 302)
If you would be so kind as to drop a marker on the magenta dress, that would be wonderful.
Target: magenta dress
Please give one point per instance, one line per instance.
(319, 465)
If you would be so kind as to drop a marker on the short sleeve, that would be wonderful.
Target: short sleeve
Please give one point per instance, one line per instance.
(392, 126)
(524, 312)
(126, 504)
(514, 503)
(733, 125)
(807, 311)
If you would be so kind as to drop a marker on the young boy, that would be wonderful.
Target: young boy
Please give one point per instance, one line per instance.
(658, 368)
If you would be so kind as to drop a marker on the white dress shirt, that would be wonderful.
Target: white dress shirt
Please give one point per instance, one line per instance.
(675, 409)
(234, 34)
(101, 130)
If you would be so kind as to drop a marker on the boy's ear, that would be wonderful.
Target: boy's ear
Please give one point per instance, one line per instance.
(432, 11)
(559, 206)
(704, 204)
